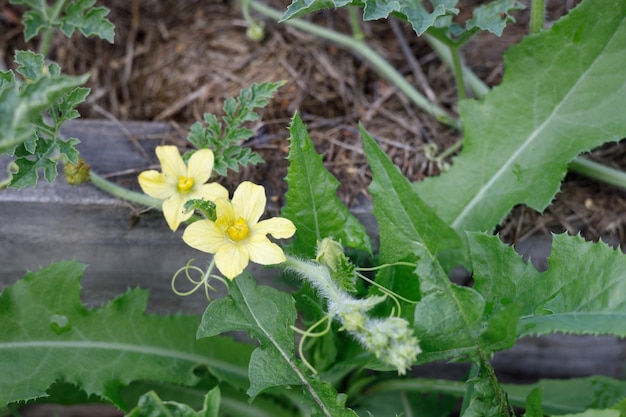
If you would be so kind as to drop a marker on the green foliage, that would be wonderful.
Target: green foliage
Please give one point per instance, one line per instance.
(267, 315)
(562, 299)
(45, 327)
(206, 207)
(491, 17)
(23, 102)
(67, 16)
(151, 405)
(561, 95)
(225, 139)
(311, 200)
(405, 221)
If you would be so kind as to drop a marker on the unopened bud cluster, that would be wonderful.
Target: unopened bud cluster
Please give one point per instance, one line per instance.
(389, 339)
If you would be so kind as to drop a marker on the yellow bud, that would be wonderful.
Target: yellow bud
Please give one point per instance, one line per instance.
(76, 174)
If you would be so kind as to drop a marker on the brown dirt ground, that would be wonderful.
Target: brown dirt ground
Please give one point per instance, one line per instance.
(174, 60)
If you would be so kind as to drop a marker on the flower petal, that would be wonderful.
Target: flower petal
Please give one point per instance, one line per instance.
(172, 163)
(155, 184)
(204, 236)
(231, 260)
(265, 252)
(200, 166)
(278, 227)
(225, 214)
(249, 202)
(211, 191)
(173, 211)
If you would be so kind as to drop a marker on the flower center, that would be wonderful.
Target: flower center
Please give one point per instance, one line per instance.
(238, 230)
(184, 184)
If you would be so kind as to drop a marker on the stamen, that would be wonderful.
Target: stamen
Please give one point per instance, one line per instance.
(238, 230)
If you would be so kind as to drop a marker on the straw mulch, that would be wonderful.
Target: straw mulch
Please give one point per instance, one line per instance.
(175, 60)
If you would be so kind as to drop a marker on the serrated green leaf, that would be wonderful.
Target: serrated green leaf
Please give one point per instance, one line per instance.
(533, 403)
(311, 199)
(563, 396)
(68, 103)
(563, 93)
(29, 64)
(485, 401)
(68, 148)
(266, 314)
(494, 16)
(583, 291)
(21, 106)
(47, 334)
(413, 11)
(405, 221)
(150, 405)
(89, 20)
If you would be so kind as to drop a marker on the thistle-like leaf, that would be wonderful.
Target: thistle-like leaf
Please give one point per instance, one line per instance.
(48, 335)
(582, 292)
(311, 200)
(563, 93)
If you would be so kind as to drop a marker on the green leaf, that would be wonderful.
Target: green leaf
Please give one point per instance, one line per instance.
(311, 200)
(268, 315)
(405, 221)
(225, 140)
(91, 21)
(562, 94)
(494, 16)
(485, 400)
(533, 403)
(22, 104)
(47, 335)
(582, 292)
(570, 396)
(413, 11)
(151, 405)
(595, 413)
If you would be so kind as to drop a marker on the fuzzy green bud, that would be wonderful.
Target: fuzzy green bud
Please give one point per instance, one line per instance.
(330, 253)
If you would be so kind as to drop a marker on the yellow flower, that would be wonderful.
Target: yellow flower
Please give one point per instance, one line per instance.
(179, 183)
(237, 236)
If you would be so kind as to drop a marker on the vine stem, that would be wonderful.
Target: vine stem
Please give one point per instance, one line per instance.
(122, 192)
(537, 15)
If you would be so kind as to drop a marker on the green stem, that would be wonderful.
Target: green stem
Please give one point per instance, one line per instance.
(123, 193)
(369, 55)
(46, 38)
(537, 13)
(598, 171)
(457, 67)
(355, 24)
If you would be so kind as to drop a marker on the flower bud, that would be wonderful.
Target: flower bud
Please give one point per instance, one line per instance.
(256, 31)
(76, 174)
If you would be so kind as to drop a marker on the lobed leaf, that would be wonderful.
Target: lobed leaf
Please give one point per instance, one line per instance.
(582, 292)
(311, 200)
(151, 405)
(413, 11)
(48, 335)
(562, 94)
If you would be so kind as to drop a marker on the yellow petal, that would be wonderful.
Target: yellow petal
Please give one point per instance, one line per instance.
(205, 236)
(249, 202)
(172, 163)
(231, 260)
(200, 166)
(265, 252)
(156, 185)
(278, 227)
(224, 212)
(211, 191)
(173, 211)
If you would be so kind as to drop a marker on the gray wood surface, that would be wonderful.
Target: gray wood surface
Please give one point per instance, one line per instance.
(52, 222)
